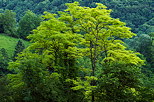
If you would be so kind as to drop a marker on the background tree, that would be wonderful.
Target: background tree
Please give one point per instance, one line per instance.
(18, 48)
(8, 23)
(152, 49)
(134, 13)
(144, 44)
(4, 59)
(27, 23)
(1, 24)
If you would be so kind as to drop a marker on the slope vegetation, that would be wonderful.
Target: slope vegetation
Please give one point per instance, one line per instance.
(9, 43)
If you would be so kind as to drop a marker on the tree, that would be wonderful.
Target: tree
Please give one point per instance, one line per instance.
(144, 45)
(3, 89)
(18, 48)
(8, 23)
(56, 52)
(59, 50)
(4, 59)
(27, 23)
(152, 50)
(61, 42)
(102, 36)
(118, 82)
(33, 82)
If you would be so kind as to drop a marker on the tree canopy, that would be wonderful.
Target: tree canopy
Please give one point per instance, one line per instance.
(77, 56)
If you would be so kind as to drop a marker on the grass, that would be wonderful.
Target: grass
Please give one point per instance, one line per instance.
(9, 43)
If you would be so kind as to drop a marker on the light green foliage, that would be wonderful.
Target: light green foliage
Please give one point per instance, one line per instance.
(27, 23)
(57, 46)
(102, 36)
(84, 86)
(101, 32)
(54, 50)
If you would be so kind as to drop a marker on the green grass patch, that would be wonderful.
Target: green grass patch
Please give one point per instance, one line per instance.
(9, 43)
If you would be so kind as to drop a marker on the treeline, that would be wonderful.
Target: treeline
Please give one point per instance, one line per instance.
(9, 26)
(138, 14)
(79, 56)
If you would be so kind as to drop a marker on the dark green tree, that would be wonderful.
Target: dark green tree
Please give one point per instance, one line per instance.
(27, 23)
(1, 24)
(8, 23)
(4, 92)
(4, 59)
(18, 48)
(144, 44)
(118, 82)
(34, 83)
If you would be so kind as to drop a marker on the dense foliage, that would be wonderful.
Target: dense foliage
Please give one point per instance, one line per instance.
(78, 54)
(8, 23)
(27, 23)
(18, 48)
(137, 13)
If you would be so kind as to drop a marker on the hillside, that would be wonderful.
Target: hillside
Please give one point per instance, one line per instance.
(9, 43)
(134, 12)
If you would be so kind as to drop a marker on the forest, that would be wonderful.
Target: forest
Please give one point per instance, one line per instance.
(77, 51)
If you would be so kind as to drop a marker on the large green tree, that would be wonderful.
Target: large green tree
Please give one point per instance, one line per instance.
(57, 54)
(102, 36)
(60, 43)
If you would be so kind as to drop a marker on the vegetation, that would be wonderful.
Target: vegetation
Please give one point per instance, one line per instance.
(8, 23)
(78, 54)
(18, 48)
(8, 51)
(9, 44)
(27, 23)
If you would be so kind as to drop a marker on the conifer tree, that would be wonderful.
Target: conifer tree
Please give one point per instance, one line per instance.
(4, 59)
(18, 48)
